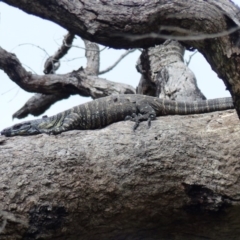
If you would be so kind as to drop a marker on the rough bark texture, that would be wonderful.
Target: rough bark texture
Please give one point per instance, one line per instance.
(38, 104)
(166, 182)
(62, 85)
(125, 24)
(177, 180)
(76, 82)
(165, 75)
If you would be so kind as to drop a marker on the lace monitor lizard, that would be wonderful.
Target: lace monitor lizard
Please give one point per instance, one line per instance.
(104, 111)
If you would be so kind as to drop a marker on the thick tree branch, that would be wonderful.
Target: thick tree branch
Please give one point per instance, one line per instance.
(165, 182)
(76, 82)
(84, 81)
(111, 22)
(112, 19)
(38, 104)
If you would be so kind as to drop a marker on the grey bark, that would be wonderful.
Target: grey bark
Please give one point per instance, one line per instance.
(165, 75)
(55, 87)
(177, 180)
(62, 85)
(38, 104)
(210, 26)
(92, 55)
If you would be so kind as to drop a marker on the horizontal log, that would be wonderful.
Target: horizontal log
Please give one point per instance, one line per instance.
(178, 178)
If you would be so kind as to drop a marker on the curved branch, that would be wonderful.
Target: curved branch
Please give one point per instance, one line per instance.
(116, 18)
(53, 63)
(76, 82)
(108, 23)
(54, 87)
(38, 104)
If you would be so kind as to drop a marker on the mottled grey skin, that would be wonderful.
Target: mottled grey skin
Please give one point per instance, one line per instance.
(104, 111)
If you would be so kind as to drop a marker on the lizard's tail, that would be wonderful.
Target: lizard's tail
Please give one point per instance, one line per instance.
(195, 107)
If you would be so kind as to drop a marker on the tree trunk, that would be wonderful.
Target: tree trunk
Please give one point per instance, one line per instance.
(177, 180)
(165, 75)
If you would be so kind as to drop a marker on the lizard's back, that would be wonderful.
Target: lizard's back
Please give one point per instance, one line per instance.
(104, 111)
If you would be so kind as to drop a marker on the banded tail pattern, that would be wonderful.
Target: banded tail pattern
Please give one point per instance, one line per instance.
(104, 111)
(197, 107)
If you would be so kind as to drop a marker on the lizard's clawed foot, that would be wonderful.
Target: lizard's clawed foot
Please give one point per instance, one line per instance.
(135, 118)
(139, 118)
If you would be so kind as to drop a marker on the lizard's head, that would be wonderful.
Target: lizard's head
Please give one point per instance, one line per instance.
(24, 128)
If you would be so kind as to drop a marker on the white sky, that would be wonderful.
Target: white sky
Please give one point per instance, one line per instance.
(17, 27)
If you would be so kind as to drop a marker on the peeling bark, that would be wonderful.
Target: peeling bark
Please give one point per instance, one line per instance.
(165, 182)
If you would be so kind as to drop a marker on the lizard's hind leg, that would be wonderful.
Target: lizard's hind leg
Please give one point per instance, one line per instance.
(145, 113)
(134, 118)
